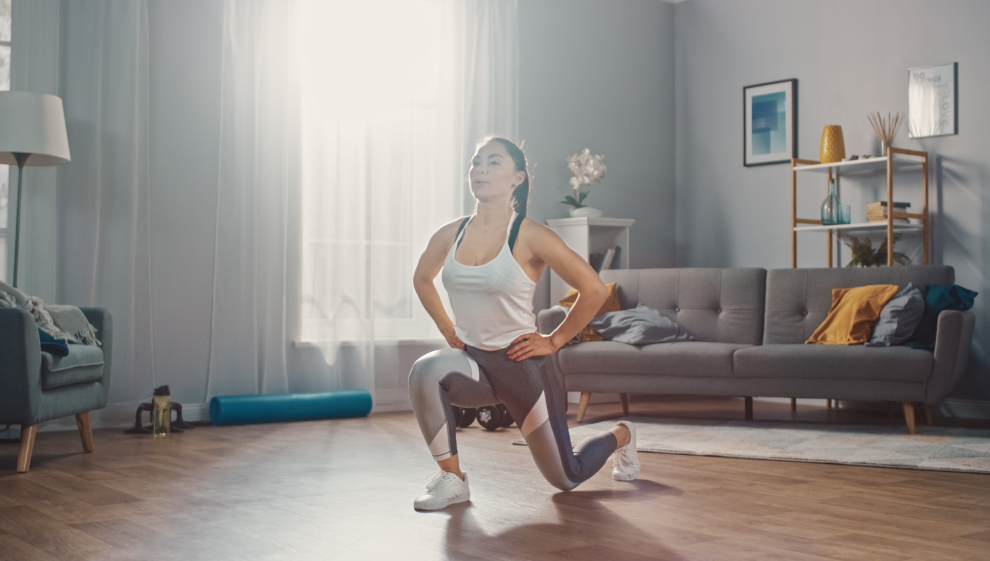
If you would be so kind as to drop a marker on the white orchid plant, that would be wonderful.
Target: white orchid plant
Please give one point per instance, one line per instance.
(587, 169)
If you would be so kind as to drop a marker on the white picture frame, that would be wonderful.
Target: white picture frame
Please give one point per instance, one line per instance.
(933, 100)
(770, 123)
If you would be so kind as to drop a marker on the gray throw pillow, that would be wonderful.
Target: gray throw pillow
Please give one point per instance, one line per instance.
(899, 318)
(639, 326)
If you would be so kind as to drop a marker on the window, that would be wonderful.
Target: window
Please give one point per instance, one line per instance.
(4, 170)
(376, 155)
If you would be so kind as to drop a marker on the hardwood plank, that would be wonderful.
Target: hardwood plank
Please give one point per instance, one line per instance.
(124, 534)
(13, 547)
(50, 536)
(347, 486)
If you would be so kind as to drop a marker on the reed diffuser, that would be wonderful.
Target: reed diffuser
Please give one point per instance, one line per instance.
(886, 129)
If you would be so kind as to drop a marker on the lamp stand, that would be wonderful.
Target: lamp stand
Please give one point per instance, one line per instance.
(21, 158)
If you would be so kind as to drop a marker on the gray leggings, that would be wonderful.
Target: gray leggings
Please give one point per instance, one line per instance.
(531, 390)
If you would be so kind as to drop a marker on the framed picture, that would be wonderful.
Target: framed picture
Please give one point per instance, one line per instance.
(932, 100)
(770, 123)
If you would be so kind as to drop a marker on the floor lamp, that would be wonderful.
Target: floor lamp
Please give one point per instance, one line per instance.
(32, 133)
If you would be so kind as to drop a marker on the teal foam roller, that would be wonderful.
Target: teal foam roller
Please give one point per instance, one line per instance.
(249, 409)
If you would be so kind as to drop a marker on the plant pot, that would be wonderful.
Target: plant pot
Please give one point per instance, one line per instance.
(586, 211)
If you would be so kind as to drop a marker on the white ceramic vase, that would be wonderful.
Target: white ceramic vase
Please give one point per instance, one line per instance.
(585, 211)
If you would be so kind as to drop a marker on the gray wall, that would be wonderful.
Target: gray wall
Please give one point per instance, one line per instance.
(600, 75)
(850, 58)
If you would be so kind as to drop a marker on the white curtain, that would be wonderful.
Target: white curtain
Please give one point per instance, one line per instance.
(103, 226)
(346, 129)
(259, 169)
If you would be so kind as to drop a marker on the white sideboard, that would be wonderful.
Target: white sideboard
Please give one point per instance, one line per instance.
(586, 236)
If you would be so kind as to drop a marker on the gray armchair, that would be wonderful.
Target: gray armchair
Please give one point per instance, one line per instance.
(37, 386)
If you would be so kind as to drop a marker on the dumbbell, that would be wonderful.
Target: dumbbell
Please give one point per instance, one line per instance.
(494, 417)
(463, 416)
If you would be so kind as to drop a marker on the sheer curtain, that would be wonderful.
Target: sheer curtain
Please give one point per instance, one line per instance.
(104, 215)
(347, 127)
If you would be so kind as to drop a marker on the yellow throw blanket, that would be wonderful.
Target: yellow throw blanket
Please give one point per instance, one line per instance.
(610, 305)
(853, 313)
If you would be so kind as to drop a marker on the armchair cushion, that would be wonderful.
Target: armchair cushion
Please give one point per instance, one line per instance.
(84, 363)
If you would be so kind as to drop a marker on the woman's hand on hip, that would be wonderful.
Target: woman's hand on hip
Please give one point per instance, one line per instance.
(531, 344)
(450, 334)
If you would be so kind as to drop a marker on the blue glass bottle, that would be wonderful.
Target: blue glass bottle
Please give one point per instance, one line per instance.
(830, 208)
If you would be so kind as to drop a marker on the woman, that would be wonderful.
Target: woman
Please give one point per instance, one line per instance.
(491, 262)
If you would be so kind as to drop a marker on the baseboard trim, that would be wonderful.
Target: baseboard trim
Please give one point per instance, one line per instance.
(387, 401)
(121, 415)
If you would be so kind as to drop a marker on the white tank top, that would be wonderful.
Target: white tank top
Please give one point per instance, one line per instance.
(492, 303)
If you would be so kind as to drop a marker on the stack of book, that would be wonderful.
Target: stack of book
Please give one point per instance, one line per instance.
(603, 261)
(877, 211)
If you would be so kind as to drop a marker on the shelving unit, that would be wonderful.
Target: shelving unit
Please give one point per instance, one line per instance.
(896, 158)
(586, 236)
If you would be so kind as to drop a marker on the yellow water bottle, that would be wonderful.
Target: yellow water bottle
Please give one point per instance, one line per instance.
(161, 412)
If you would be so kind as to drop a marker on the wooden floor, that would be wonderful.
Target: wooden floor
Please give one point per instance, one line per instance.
(344, 490)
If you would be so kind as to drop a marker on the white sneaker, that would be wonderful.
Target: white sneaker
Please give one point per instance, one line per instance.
(625, 461)
(444, 489)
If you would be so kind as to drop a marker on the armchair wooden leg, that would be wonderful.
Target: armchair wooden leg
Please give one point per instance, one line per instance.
(583, 405)
(85, 430)
(749, 408)
(793, 404)
(828, 404)
(928, 414)
(909, 415)
(27, 447)
(624, 400)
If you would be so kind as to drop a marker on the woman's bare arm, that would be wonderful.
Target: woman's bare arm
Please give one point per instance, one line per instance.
(547, 246)
(429, 266)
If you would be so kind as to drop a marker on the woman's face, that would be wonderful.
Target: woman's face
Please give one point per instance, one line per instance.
(493, 174)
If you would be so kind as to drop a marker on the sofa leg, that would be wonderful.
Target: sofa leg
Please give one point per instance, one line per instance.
(890, 410)
(583, 405)
(624, 400)
(749, 408)
(85, 430)
(909, 415)
(27, 447)
(928, 413)
(828, 404)
(793, 404)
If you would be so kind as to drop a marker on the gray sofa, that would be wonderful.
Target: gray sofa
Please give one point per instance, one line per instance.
(750, 326)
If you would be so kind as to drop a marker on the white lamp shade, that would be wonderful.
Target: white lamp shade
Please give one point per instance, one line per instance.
(33, 123)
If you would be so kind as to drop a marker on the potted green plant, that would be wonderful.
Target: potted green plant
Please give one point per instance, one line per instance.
(863, 254)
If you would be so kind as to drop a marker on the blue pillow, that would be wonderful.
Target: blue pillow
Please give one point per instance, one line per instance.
(939, 297)
(49, 344)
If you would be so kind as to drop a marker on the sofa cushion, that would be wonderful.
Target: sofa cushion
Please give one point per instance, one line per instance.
(798, 300)
(690, 358)
(893, 364)
(84, 363)
(715, 305)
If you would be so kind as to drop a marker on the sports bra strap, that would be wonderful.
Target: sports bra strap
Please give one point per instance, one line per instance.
(461, 229)
(515, 231)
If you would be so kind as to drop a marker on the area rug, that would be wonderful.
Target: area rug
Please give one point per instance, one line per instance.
(932, 448)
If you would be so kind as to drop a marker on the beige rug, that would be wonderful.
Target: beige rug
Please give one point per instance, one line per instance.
(932, 448)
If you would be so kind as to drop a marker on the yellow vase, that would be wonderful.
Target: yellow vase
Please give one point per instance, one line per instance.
(833, 149)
